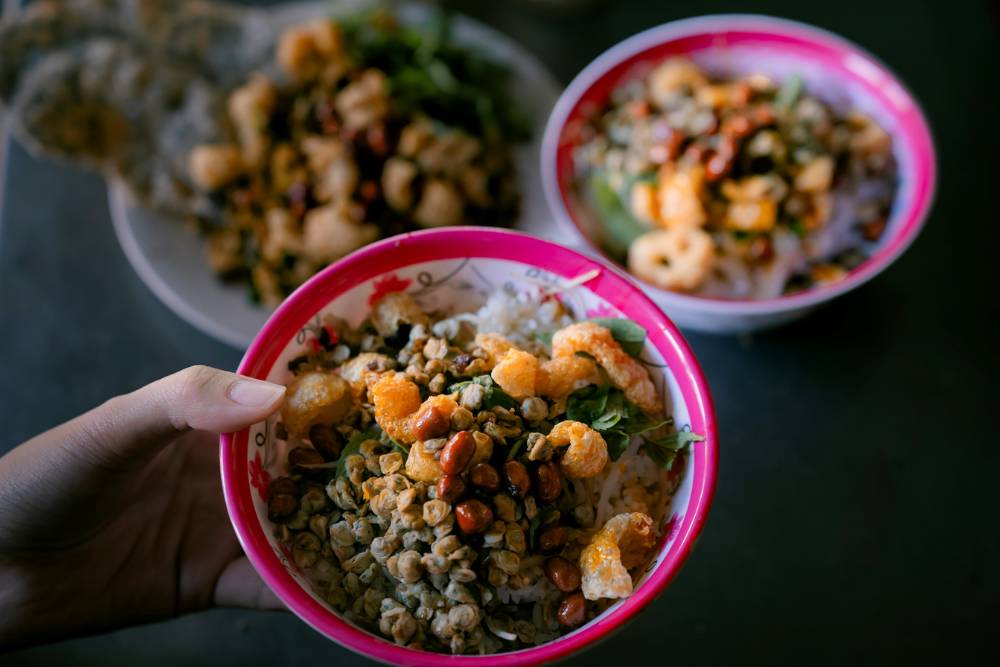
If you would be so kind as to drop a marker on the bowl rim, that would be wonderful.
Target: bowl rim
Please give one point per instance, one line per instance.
(924, 160)
(394, 253)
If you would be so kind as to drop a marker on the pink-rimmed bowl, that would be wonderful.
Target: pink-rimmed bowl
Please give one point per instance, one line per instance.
(833, 68)
(455, 269)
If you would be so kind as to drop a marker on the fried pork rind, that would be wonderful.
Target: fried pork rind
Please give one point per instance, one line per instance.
(315, 398)
(493, 346)
(588, 452)
(396, 399)
(559, 377)
(516, 373)
(624, 542)
(625, 372)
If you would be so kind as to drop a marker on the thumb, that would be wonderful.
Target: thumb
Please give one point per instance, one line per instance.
(199, 397)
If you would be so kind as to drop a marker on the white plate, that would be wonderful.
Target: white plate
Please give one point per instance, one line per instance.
(170, 258)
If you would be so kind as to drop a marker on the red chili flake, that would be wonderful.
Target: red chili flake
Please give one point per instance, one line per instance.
(387, 284)
(331, 334)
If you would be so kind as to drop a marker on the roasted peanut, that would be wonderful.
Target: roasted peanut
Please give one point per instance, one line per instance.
(450, 488)
(281, 507)
(562, 573)
(548, 481)
(430, 422)
(572, 610)
(457, 453)
(552, 538)
(518, 481)
(473, 516)
(485, 476)
(304, 456)
(283, 486)
(326, 440)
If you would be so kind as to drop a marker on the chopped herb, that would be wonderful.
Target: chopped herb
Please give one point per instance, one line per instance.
(617, 441)
(587, 405)
(614, 412)
(352, 447)
(798, 227)
(428, 73)
(620, 229)
(664, 449)
(516, 448)
(789, 93)
(605, 409)
(400, 447)
(533, 529)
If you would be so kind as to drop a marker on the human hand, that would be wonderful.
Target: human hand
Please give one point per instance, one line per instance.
(117, 517)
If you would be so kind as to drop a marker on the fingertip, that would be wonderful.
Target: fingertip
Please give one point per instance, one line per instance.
(251, 393)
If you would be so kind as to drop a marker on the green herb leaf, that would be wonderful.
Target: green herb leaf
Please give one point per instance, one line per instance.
(515, 449)
(352, 447)
(614, 412)
(429, 74)
(533, 526)
(400, 447)
(663, 450)
(619, 229)
(587, 405)
(617, 443)
(798, 227)
(789, 93)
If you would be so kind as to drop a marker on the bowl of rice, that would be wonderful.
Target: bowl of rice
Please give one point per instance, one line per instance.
(745, 169)
(493, 448)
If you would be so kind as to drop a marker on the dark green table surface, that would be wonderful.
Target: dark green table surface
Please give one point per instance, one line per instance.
(856, 514)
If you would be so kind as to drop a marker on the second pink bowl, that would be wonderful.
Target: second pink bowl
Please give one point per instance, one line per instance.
(838, 71)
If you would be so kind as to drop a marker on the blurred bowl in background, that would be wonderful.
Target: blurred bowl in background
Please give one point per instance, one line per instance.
(831, 67)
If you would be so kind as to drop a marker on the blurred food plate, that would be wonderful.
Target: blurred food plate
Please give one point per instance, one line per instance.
(170, 256)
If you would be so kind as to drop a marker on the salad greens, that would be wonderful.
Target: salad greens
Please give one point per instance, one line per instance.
(619, 227)
(605, 409)
(430, 74)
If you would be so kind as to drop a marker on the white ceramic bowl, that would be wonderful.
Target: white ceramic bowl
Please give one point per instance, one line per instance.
(169, 257)
(833, 68)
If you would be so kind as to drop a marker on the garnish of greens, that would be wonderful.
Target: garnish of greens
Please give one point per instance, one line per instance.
(428, 73)
(619, 227)
(605, 409)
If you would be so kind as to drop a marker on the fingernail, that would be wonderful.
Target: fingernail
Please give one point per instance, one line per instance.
(254, 393)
